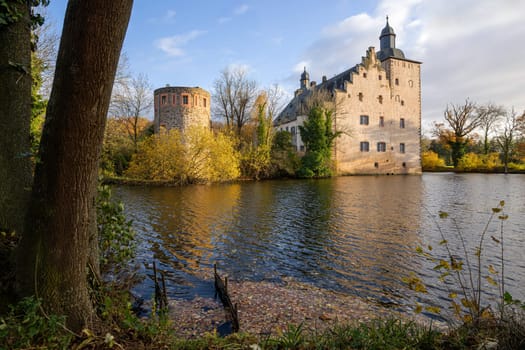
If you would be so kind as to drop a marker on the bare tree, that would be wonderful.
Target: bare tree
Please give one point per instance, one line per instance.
(132, 98)
(234, 96)
(462, 119)
(489, 115)
(507, 138)
(54, 250)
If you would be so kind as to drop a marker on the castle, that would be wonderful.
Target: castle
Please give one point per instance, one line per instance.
(181, 107)
(377, 106)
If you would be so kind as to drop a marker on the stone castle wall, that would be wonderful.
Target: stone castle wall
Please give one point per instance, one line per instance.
(181, 107)
(388, 95)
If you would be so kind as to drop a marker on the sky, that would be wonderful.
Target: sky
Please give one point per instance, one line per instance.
(469, 48)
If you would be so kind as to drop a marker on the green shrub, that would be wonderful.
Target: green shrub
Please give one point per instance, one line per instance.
(25, 327)
(115, 234)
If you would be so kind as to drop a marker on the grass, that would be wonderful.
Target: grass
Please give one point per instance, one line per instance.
(26, 328)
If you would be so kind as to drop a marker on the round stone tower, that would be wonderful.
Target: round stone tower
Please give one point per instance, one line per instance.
(181, 107)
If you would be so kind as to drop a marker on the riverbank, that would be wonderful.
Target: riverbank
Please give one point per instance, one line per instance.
(267, 309)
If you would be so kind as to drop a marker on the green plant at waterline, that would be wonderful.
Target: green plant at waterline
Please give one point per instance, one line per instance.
(115, 233)
(462, 274)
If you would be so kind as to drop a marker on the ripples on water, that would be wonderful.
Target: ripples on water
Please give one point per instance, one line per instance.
(355, 235)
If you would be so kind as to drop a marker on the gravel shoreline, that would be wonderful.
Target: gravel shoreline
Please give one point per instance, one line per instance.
(267, 308)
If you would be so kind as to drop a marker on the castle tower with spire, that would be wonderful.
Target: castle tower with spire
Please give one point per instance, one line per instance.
(377, 106)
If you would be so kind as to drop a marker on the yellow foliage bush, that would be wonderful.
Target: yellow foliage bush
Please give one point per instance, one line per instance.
(470, 161)
(491, 160)
(198, 156)
(473, 161)
(431, 160)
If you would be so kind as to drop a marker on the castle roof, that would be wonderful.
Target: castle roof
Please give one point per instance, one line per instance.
(305, 75)
(388, 30)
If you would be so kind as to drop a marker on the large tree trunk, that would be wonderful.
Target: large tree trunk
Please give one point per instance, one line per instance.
(15, 163)
(15, 115)
(54, 250)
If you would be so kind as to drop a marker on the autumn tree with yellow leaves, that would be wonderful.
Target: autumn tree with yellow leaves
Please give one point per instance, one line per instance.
(197, 156)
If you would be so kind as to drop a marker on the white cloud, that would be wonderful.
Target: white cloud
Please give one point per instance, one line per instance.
(469, 48)
(173, 45)
(222, 20)
(170, 15)
(301, 66)
(241, 10)
(243, 67)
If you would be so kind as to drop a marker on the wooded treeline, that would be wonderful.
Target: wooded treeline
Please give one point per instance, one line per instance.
(476, 137)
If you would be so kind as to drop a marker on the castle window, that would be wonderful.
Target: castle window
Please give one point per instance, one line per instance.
(163, 99)
(293, 130)
(363, 120)
(404, 165)
(204, 102)
(397, 98)
(402, 123)
(401, 148)
(302, 148)
(402, 103)
(380, 99)
(185, 100)
(380, 77)
(364, 146)
(364, 75)
(360, 95)
(381, 147)
(410, 83)
(397, 81)
(178, 99)
(376, 165)
(174, 99)
(195, 101)
(381, 122)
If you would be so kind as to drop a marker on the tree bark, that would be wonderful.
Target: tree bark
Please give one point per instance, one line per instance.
(15, 115)
(54, 251)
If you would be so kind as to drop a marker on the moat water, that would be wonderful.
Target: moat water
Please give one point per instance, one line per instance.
(355, 235)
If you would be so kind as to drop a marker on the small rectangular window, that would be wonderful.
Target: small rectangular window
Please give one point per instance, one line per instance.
(163, 99)
(381, 147)
(364, 146)
(185, 100)
(381, 122)
(204, 102)
(402, 148)
(402, 123)
(363, 120)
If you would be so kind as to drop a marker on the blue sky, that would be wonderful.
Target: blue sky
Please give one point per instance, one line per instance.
(469, 48)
